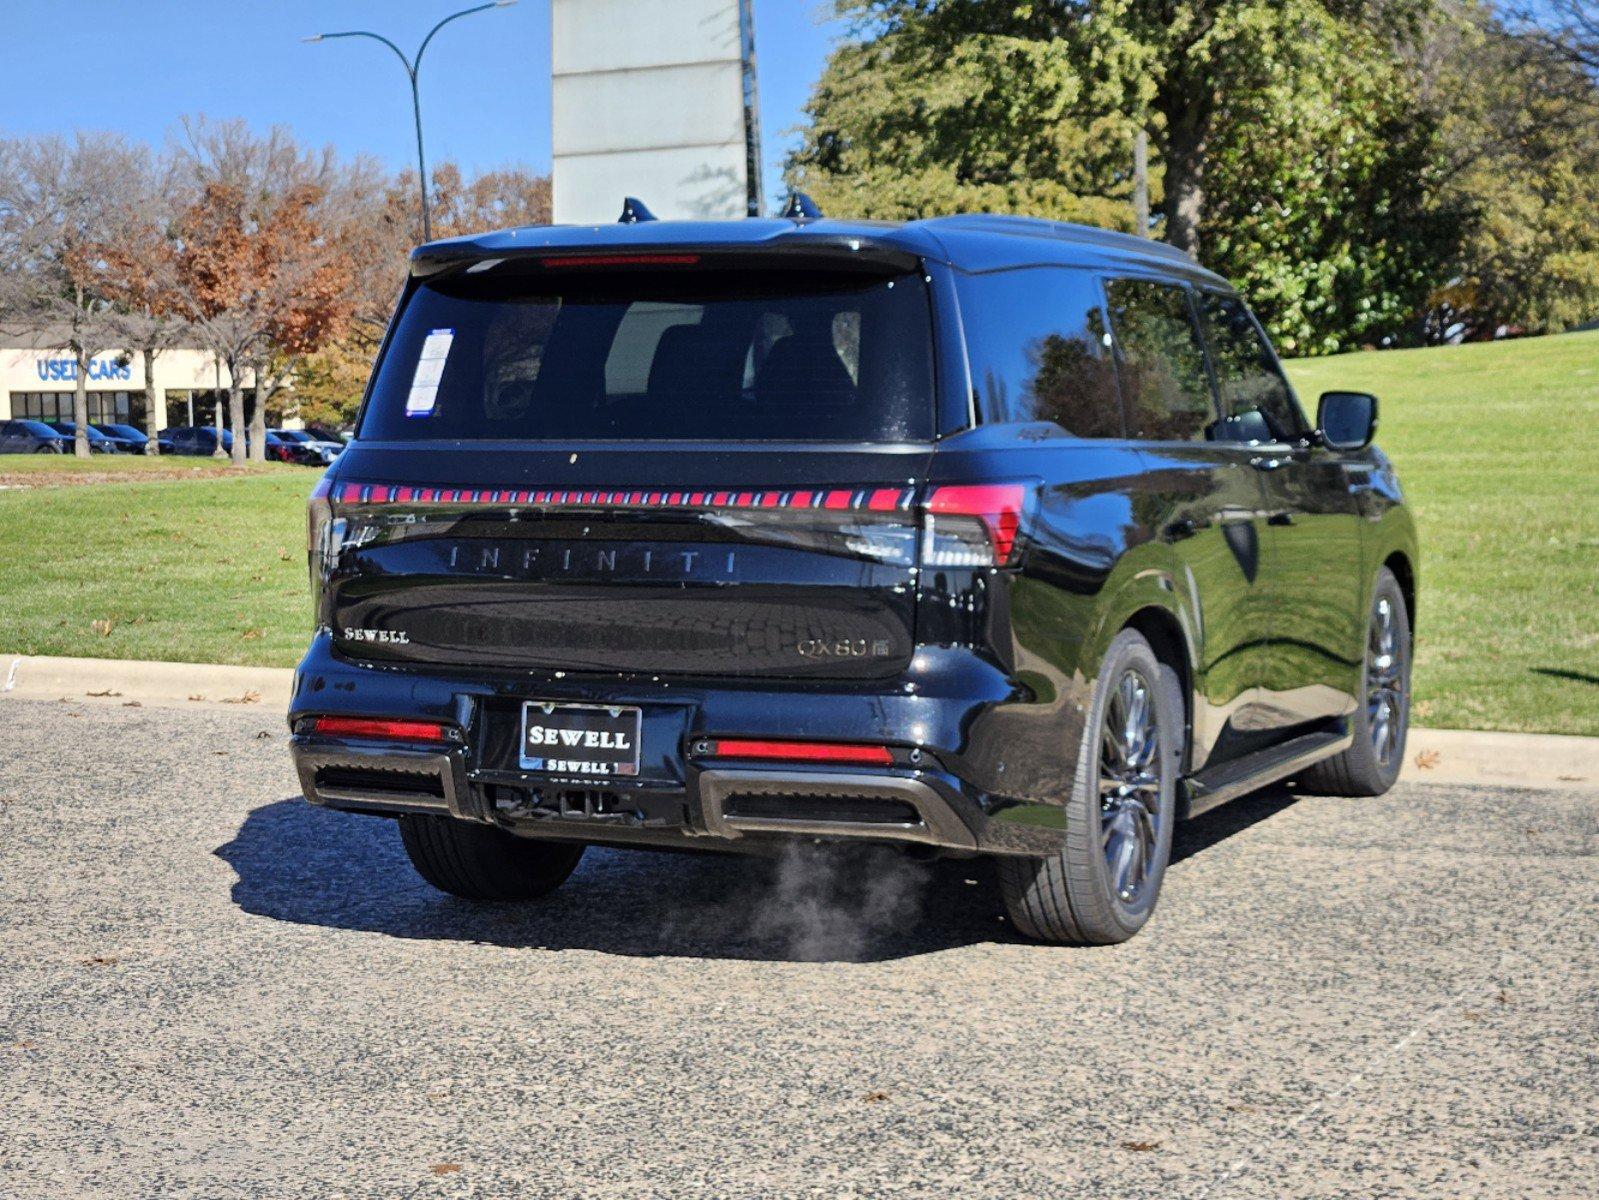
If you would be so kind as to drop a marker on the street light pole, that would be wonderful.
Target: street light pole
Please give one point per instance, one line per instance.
(412, 66)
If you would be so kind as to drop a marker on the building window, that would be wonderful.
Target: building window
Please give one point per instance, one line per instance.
(104, 407)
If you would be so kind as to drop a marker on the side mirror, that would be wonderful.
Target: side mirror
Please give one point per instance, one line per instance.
(1346, 420)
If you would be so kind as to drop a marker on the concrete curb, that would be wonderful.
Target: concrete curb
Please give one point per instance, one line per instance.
(1456, 756)
(129, 682)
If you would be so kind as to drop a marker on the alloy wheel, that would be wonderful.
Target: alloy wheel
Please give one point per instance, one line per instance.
(1385, 681)
(1130, 783)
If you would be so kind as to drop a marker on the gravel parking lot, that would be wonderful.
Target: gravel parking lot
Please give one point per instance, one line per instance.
(208, 988)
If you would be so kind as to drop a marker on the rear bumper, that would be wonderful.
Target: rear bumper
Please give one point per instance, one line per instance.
(946, 718)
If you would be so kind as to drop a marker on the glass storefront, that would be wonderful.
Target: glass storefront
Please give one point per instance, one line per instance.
(125, 408)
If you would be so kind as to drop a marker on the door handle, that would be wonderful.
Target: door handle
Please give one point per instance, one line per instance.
(1265, 463)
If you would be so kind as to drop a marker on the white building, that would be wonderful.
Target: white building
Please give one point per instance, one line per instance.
(37, 379)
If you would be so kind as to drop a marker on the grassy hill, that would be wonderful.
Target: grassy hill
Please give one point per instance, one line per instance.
(1498, 446)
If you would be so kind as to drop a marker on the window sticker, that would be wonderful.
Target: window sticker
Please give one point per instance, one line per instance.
(429, 370)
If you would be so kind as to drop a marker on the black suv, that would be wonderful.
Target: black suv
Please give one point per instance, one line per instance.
(981, 535)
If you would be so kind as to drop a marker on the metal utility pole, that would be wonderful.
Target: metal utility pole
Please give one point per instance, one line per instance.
(412, 65)
(1141, 182)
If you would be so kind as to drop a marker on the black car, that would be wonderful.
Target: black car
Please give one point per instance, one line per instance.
(99, 443)
(126, 438)
(198, 440)
(979, 535)
(32, 437)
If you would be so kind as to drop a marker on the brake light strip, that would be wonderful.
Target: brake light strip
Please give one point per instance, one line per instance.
(874, 499)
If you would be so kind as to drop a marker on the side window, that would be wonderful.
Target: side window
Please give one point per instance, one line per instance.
(1256, 403)
(1162, 361)
(1035, 340)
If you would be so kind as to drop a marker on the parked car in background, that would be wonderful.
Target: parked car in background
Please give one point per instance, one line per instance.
(317, 451)
(976, 535)
(197, 440)
(98, 442)
(127, 438)
(32, 437)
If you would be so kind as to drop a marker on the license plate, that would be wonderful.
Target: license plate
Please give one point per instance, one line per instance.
(580, 739)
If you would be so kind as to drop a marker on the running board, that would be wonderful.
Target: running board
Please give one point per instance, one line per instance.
(1209, 788)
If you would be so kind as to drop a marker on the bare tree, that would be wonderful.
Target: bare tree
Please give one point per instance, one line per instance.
(1568, 29)
(57, 199)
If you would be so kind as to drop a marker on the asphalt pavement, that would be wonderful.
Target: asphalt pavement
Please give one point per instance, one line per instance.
(210, 989)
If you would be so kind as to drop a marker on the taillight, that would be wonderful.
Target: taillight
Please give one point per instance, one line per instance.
(318, 523)
(778, 751)
(972, 524)
(372, 727)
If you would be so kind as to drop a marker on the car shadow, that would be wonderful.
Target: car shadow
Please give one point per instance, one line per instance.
(313, 866)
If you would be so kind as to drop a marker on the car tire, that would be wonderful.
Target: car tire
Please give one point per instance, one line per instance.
(1371, 764)
(1073, 897)
(480, 862)
(48, 449)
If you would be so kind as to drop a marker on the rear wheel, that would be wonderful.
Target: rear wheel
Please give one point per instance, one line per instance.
(480, 862)
(1102, 885)
(1380, 722)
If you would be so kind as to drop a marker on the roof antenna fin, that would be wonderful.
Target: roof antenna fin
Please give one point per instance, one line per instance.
(634, 210)
(800, 207)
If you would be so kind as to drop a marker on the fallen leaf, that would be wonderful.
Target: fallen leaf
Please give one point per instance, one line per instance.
(262, 734)
(445, 1168)
(196, 697)
(102, 626)
(248, 698)
(131, 704)
(250, 635)
(876, 1097)
(1571, 778)
(1141, 1146)
(1242, 1108)
(101, 960)
(1427, 759)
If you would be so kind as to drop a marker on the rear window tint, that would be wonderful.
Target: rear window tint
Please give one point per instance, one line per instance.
(688, 354)
(1035, 338)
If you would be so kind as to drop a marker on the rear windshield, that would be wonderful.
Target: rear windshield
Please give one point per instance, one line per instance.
(675, 354)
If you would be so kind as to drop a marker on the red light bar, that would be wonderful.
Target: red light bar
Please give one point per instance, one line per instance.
(997, 505)
(620, 260)
(373, 727)
(835, 752)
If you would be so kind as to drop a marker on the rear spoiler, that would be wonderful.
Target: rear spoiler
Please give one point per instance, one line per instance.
(838, 252)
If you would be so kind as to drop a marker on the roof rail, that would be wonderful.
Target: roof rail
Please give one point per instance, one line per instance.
(1065, 231)
(800, 207)
(634, 210)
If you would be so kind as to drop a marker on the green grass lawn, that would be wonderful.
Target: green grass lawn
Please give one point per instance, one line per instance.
(1498, 446)
(206, 569)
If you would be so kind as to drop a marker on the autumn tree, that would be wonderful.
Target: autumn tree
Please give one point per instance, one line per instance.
(253, 270)
(58, 196)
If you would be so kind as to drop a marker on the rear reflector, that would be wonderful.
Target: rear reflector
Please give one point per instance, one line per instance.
(371, 727)
(832, 752)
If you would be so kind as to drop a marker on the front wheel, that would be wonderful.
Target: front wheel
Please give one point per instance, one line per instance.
(1380, 722)
(1102, 885)
(481, 862)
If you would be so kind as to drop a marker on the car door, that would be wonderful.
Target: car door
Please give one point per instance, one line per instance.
(1206, 504)
(9, 439)
(1313, 577)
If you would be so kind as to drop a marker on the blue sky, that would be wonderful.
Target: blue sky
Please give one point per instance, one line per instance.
(136, 66)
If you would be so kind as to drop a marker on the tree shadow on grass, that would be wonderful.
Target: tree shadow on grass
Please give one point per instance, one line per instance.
(312, 866)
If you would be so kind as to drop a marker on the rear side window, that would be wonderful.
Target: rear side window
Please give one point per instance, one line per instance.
(1255, 397)
(1035, 342)
(1162, 361)
(678, 354)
